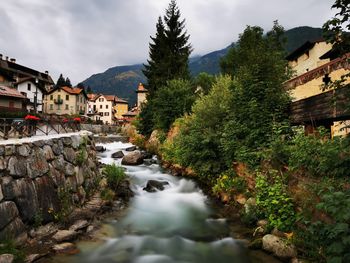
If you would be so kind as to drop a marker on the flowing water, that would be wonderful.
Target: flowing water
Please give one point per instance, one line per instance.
(177, 224)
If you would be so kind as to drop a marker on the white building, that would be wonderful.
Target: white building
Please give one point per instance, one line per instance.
(101, 107)
(30, 88)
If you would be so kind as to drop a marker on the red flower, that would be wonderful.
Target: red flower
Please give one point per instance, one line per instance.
(31, 118)
(65, 120)
(77, 119)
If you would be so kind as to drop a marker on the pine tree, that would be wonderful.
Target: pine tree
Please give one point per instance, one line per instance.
(177, 44)
(81, 85)
(157, 54)
(169, 53)
(61, 81)
(68, 83)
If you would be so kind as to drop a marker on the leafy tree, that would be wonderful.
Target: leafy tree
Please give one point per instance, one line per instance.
(171, 102)
(203, 82)
(89, 90)
(334, 28)
(198, 143)
(257, 64)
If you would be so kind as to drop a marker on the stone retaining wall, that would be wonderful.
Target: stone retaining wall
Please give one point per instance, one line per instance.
(37, 178)
(98, 129)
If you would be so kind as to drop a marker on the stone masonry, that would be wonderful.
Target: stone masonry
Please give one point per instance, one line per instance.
(32, 176)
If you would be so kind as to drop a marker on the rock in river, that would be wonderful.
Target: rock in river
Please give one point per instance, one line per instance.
(133, 158)
(154, 185)
(100, 148)
(118, 155)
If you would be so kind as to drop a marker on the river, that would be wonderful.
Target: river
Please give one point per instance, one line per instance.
(178, 224)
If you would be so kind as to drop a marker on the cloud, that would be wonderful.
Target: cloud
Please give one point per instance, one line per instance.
(82, 37)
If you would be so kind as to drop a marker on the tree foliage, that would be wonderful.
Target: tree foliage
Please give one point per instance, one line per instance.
(168, 59)
(257, 64)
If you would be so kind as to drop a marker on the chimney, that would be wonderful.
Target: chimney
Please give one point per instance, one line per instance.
(0, 56)
(7, 58)
(46, 72)
(13, 60)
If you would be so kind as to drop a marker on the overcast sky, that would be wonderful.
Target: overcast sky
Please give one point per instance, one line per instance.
(81, 37)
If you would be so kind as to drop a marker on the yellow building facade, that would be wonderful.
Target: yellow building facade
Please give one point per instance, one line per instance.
(121, 107)
(314, 72)
(65, 100)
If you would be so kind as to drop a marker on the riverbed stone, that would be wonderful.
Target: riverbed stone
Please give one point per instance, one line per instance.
(23, 150)
(44, 231)
(154, 186)
(33, 258)
(37, 164)
(8, 212)
(49, 155)
(79, 225)
(1, 194)
(118, 154)
(64, 235)
(17, 167)
(133, 158)
(100, 148)
(39, 143)
(65, 248)
(69, 155)
(7, 258)
(279, 247)
(131, 148)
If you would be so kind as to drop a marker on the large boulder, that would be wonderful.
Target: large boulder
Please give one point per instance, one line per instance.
(118, 155)
(154, 186)
(133, 158)
(64, 235)
(279, 247)
(123, 191)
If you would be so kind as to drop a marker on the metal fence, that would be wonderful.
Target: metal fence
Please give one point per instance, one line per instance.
(19, 128)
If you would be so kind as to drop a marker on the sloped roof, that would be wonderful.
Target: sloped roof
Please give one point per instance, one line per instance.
(141, 89)
(302, 49)
(119, 100)
(10, 92)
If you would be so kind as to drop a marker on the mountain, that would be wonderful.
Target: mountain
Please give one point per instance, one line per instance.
(123, 80)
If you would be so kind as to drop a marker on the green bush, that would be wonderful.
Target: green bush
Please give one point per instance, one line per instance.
(114, 175)
(329, 241)
(273, 201)
(229, 182)
(8, 247)
(320, 156)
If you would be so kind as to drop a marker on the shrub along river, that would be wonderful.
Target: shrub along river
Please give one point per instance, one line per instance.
(178, 224)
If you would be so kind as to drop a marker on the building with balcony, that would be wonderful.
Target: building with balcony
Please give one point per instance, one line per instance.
(315, 102)
(33, 92)
(65, 100)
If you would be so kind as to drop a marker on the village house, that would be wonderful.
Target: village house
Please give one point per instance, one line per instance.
(106, 108)
(65, 100)
(11, 100)
(31, 83)
(315, 68)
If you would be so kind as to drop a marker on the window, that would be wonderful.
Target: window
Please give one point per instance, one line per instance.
(51, 97)
(100, 106)
(59, 97)
(51, 106)
(67, 107)
(94, 107)
(29, 87)
(100, 99)
(326, 79)
(106, 113)
(106, 106)
(67, 97)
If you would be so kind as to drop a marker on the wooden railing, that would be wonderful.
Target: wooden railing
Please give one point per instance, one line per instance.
(19, 128)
